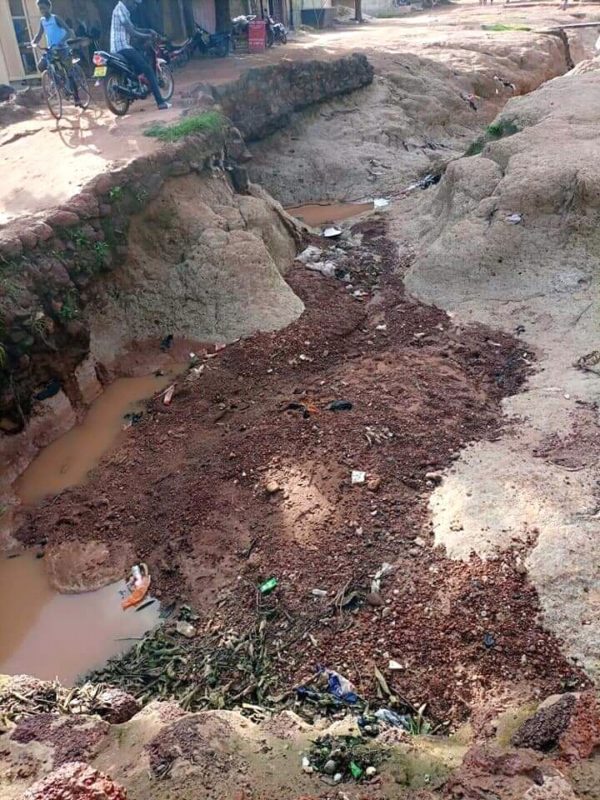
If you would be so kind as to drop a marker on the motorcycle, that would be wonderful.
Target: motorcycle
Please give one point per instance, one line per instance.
(212, 44)
(276, 32)
(122, 85)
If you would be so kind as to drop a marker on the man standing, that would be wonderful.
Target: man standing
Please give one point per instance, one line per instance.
(121, 31)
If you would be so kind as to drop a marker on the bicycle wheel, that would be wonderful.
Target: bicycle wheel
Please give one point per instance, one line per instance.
(166, 82)
(52, 93)
(80, 81)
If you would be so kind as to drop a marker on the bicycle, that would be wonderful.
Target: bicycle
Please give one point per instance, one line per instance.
(60, 82)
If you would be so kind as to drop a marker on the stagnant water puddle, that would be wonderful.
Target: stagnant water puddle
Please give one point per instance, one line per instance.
(67, 461)
(51, 635)
(315, 214)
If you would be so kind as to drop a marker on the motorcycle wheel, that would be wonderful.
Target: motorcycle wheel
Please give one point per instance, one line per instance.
(283, 38)
(270, 38)
(222, 49)
(166, 82)
(115, 100)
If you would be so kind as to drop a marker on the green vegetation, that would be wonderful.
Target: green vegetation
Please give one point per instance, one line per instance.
(499, 27)
(206, 122)
(101, 250)
(494, 132)
(68, 309)
(115, 193)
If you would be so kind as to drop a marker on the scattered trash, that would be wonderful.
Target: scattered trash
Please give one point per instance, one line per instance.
(382, 327)
(392, 719)
(319, 592)
(470, 99)
(168, 394)
(339, 758)
(506, 83)
(380, 202)
(166, 343)
(590, 362)
(268, 586)
(489, 640)
(358, 476)
(145, 605)
(132, 418)
(355, 770)
(326, 268)
(137, 585)
(394, 665)
(185, 629)
(332, 232)
(429, 180)
(306, 767)
(514, 219)
(195, 372)
(310, 255)
(306, 408)
(51, 388)
(340, 405)
(339, 686)
(383, 570)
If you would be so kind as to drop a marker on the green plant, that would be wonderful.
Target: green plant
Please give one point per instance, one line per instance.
(500, 27)
(418, 725)
(78, 237)
(68, 309)
(206, 122)
(115, 194)
(494, 132)
(101, 251)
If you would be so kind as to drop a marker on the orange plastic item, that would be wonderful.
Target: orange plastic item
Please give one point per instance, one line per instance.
(137, 595)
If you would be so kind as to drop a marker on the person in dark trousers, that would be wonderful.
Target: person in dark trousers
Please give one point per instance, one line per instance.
(121, 31)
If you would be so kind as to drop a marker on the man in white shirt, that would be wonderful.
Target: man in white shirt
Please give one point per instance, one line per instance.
(121, 31)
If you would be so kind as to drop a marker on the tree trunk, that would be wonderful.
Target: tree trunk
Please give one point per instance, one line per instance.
(358, 10)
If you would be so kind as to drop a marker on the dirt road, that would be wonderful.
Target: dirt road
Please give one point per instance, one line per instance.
(45, 162)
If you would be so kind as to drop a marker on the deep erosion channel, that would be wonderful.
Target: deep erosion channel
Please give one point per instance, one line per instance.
(289, 493)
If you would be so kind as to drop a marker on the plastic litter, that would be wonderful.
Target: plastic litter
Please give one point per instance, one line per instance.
(166, 343)
(358, 476)
(514, 219)
(185, 629)
(309, 255)
(326, 268)
(355, 770)
(319, 593)
(392, 719)
(489, 640)
(340, 405)
(268, 586)
(168, 394)
(380, 202)
(137, 585)
(51, 388)
(339, 686)
(383, 570)
(395, 665)
(332, 232)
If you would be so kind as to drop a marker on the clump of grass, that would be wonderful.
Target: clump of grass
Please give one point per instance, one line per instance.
(495, 131)
(500, 27)
(206, 122)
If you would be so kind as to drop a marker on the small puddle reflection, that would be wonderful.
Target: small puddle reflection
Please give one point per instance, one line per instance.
(67, 461)
(51, 635)
(315, 214)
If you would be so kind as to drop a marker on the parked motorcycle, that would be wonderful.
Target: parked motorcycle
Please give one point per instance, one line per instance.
(121, 83)
(212, 44)
(276, 32)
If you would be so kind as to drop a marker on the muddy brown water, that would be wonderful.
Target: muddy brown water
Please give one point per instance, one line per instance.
(315, 214)
(51, 635)
(67, 461)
